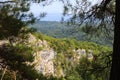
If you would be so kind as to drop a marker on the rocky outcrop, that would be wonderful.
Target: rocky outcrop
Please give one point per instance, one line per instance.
(44, 61)
(82, 52)
(3, 42)
(44, 55)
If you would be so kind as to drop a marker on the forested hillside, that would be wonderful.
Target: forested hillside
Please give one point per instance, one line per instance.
(51, 58)
(63, 30)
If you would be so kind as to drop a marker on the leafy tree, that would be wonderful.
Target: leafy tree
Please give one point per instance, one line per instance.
(15, 58)
(99, 15)
(96, 69)
(13, 17)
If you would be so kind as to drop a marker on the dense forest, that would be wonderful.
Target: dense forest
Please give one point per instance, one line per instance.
(63, 30)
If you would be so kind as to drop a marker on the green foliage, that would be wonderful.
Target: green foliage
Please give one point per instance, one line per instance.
(67, 44)
(13, 17)
(15, 57)
(10, 28)
(24, 51)
(98, 69)
(87, 69)
(7, 76)
(82, 33)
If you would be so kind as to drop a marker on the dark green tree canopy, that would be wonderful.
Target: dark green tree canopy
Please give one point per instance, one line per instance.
(14, 15)
(97, 18)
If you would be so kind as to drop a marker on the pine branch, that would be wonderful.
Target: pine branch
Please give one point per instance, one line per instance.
(105, 3)
(3, 2)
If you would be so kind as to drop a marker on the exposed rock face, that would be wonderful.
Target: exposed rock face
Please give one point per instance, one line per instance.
(82, 52)
(43, 57)
(44, 61)
(2, 42)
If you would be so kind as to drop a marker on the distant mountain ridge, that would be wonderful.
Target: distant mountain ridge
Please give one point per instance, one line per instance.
(62, 30)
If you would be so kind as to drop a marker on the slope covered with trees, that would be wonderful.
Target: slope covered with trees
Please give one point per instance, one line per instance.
(99, 14)
(63, 30)
(66, 59)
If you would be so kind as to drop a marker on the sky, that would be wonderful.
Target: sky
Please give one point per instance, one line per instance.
(54, 10)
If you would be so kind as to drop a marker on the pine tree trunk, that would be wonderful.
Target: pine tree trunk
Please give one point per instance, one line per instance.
(4, 71)
(115, 69)
(14, 75)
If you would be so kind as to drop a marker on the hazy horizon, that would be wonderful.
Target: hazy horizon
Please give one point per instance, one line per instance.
(53, 10)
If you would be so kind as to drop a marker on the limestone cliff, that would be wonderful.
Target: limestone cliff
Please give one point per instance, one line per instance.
(46, 59)
(45, 56)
